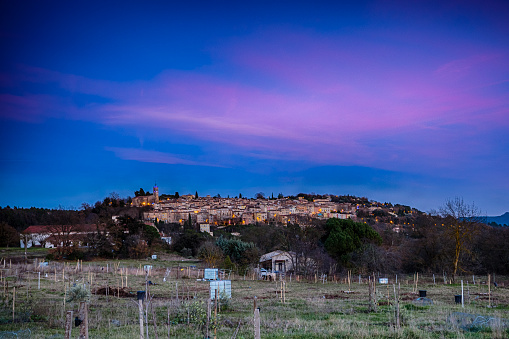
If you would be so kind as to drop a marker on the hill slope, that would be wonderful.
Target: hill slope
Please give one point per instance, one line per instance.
(501, 219)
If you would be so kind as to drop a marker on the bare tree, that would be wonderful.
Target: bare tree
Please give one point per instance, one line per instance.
(66, 230)
(461, 222)
(25, 239)
(210, 253)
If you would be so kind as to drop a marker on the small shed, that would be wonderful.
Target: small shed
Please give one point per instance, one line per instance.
(278, 261)
(223, 287)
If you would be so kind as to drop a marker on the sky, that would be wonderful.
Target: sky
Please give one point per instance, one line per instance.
(397, 101)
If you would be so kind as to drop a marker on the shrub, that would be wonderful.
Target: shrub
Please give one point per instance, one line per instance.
(78, 293)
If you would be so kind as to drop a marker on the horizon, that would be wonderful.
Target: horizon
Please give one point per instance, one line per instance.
(267, 196)
(396, 102)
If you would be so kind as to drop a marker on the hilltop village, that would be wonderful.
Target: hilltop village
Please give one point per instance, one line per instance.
(301, 209)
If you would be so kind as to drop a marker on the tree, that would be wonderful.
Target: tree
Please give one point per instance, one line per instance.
(196, 195)
(228, 264)
(8, 235)
(260, 195)
(65, 230)
(461, 222)
(190, 241)
(139, 193)
(177, 195)
(25, 238)
(280, 196)
(234, 248)
(240, 195)
(346, 236)
(210, 253)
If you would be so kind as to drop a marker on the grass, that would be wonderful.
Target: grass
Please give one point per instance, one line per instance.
(311, 310)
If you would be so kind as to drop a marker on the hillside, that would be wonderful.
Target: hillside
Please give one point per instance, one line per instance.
(501, 219)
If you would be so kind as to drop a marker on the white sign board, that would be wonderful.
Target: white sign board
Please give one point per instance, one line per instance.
(154, 256)
(383, 280)
(147, 267)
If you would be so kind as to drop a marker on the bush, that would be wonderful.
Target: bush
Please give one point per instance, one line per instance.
(78, 293)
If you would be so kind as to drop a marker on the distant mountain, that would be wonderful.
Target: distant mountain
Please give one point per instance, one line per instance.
(501, 219)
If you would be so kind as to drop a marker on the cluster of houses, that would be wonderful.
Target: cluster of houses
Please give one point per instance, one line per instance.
(208, 211)
(223, 211)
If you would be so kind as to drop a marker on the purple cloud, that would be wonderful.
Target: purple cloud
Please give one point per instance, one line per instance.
(329, 100)
(142, 155)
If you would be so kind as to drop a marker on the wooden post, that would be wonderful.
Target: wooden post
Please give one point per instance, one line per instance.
(209, 311)
(396, 303)
(215, 313)
(84, 320)
(349, 280)
(257, 334)
(39, 282)
(169, 323)
(489, 290)
(416, 282)
(140, 311)
(284, 292)
(374, 286)
(68, 325)
(154, 322)
(13, 301)
(462, 296)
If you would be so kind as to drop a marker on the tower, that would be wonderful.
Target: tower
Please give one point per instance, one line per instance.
(156, 193)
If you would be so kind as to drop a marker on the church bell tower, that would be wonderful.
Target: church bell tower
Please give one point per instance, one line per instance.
(156, 193)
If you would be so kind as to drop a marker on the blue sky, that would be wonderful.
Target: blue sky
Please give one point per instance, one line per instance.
(396, 102)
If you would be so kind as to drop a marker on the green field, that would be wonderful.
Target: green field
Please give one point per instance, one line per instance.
(310, 309)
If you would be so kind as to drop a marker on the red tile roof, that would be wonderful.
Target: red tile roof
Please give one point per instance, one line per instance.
(38, 229)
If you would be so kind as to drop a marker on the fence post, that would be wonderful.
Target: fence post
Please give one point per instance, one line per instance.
(68, 324)
(215, 311)
(396, 302)
(140, 311)
(209, 311)
(84, 319)
(257, 334)
(13, 301)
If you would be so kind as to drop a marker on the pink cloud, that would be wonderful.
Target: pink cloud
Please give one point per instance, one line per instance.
(327, 100)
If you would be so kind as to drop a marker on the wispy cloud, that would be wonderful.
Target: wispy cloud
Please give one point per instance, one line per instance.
(142, 155)
(301, 96)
